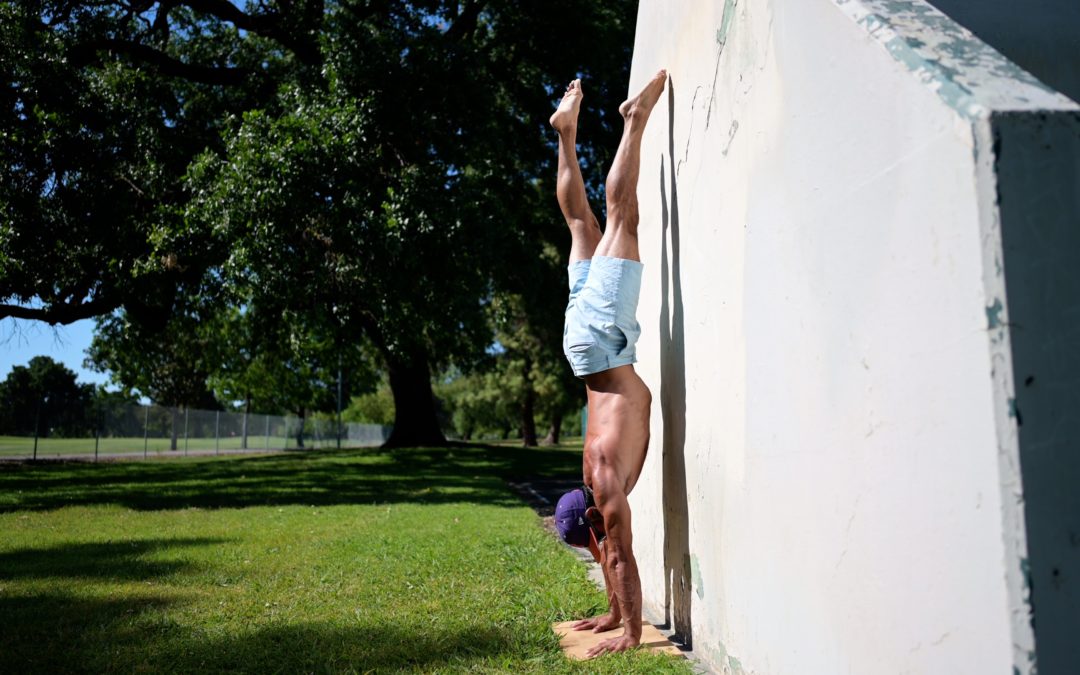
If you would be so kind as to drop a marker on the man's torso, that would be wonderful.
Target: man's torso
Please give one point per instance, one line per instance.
(618, 430)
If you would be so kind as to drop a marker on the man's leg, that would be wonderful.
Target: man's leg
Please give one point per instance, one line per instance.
(620, 236)
(570, 188)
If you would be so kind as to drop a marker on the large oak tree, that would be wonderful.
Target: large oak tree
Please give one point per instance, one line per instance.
(375, 170)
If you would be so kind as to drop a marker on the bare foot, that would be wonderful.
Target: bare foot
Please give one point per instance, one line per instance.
(639, 107)
(565, 116)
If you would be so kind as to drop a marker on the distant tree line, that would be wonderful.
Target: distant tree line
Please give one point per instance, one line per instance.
(44, 395)
(264, 202)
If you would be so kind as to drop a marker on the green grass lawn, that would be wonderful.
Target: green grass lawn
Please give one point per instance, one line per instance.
(359, 561)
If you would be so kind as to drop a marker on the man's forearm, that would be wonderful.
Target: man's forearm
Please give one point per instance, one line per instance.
(612, 599)
(621, 575)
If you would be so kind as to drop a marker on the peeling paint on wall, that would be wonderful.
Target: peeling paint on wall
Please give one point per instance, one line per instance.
(695, 575)
(967, 74)
(721, 42)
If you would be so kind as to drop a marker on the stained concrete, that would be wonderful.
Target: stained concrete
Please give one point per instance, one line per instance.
(845, 206)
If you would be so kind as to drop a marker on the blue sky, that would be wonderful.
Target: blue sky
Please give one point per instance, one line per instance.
(21, 341)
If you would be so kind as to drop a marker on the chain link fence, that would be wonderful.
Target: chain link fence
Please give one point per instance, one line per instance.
(124, 430)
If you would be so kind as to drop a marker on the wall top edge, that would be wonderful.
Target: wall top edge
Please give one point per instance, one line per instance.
(966, 73)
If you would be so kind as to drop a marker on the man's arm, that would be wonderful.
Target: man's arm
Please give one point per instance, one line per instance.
(620, 567)
(611, 620)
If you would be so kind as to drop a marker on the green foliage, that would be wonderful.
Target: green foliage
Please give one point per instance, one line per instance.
(169, 366)
(375, 407)
(325, 231)
(45, 393)
(478, 406)
(107, 106)
(370, 174)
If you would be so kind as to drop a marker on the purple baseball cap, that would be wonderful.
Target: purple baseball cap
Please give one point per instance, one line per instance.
(570, 518)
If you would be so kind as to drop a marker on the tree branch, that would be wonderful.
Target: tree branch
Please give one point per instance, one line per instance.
(465, 23)
(267, 25)
(59, 314)
(86, 53)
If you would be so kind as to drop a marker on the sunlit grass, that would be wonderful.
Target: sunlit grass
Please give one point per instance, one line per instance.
(49, 448)
(366, 560)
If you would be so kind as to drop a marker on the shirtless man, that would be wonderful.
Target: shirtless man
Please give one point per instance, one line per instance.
(598, 340)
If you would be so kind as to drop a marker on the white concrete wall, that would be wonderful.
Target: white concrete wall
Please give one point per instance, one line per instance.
(832, 484)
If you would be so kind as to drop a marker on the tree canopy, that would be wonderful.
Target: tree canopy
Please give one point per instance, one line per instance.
(376, 173)
(44, 393)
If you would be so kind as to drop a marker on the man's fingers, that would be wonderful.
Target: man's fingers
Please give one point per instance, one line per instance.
(602, 648)
(610, 647)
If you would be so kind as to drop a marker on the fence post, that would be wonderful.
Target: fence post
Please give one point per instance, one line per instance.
(268, 432)
(146, 432)
(97, 438)
(37, 423)
(338, 434)
(186, 410)
(217, 435)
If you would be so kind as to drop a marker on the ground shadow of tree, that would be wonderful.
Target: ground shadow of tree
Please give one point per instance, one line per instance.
(69, 634)
(115, 560)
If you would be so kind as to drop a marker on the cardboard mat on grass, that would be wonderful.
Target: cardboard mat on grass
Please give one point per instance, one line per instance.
(575, 643)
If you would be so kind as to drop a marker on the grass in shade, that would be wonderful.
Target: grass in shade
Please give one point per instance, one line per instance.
(359, 561)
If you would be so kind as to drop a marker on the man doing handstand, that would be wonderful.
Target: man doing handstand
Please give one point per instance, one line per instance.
(598, 339)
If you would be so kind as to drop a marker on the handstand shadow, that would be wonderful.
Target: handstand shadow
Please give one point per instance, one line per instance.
(677, 572)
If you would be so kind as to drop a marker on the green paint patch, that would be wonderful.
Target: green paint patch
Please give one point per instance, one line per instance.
(993, 314)
(725, 22)
(965, 73)
(718, 654)
(695, 576)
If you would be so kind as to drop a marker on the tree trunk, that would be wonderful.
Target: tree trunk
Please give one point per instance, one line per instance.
(300, 431)
(415, 422)
(554, 430)
(175, 431)
(247, 412)
(528, 407)
(528, 420)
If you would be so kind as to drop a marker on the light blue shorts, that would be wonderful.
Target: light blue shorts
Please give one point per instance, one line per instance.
(601, 318)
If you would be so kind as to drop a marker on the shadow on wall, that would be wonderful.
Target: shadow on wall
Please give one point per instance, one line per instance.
(677, 590)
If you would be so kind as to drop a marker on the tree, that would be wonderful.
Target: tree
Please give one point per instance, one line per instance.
(169, 366)
(346, 248)
(45, 396)
(105, 105)
(404, 222)
(376, 407)
(477, 404)
(435, 196)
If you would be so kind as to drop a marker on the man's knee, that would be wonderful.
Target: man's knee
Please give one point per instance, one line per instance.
(623, 217)
(619, 190)
(587, 226)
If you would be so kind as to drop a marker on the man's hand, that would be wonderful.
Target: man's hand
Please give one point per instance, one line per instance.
(597, 520)
(619, 644)
(597, 624)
